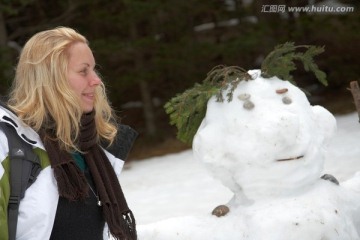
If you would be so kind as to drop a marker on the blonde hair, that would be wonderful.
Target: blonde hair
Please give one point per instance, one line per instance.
(42, 97)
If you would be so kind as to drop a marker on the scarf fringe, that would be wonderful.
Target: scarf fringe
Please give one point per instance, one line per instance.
(122, 227)
(71, 182)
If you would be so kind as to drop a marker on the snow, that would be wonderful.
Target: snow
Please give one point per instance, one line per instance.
(173, 196)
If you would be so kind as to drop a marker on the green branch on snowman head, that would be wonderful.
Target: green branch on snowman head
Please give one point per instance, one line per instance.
(188, 109)
(281, 61)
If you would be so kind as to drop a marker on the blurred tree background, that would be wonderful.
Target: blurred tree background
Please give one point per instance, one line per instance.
(148, 51)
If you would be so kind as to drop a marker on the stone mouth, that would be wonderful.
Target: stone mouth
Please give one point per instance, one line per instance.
(290, 159)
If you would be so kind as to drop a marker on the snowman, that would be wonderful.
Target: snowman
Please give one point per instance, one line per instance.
(266, 144)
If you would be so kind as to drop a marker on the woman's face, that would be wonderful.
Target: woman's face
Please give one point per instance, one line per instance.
(82, 76)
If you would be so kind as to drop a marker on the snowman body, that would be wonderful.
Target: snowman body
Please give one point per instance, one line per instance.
(325, 211)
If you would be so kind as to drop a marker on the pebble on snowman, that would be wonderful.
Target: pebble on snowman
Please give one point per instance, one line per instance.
(259, 135)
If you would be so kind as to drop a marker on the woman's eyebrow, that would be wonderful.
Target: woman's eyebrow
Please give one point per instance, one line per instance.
(86, 64)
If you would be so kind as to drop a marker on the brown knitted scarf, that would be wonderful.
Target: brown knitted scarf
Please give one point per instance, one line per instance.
(72, 182)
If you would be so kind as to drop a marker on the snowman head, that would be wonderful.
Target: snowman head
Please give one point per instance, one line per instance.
(267, 141)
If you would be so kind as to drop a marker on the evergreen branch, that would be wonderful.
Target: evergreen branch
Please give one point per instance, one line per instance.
(221, 77)
(187, 110)
(280, 62)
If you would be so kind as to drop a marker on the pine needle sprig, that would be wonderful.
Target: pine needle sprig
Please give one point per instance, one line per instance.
(187, 110)
(281, 62)
(222, 77)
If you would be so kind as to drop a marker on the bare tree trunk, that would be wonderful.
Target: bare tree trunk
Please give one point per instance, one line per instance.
(355, 91)
(148, 107)
(3, 33)
(5, 57)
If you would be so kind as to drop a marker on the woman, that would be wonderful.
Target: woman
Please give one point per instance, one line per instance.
(61, 107)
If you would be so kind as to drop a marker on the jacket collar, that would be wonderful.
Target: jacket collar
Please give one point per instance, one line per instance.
(25, 132)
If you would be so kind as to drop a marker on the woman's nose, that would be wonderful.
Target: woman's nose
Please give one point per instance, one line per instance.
(95, 79)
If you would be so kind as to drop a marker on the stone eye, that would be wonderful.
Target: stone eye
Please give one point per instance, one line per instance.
(244, 96)
(248, 104)
(281, 91)
(286, 100)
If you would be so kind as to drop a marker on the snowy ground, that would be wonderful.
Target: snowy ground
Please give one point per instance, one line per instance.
(176, 185)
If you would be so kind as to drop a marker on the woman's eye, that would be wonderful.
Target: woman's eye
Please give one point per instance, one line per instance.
(84, 71)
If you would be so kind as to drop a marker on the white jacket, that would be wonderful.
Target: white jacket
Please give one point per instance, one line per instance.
(38, 207)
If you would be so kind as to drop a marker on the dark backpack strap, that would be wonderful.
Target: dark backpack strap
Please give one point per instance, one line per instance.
(24, 168)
